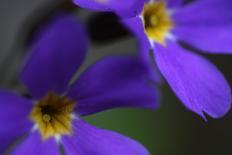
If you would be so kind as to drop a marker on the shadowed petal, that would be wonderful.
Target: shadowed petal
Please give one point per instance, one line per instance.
(129, 8)
(89, 140)
(112, 83)
(206, 25)
(197, 82)
(33, 145)
(55, 56)
(135, 25)
(14, 122)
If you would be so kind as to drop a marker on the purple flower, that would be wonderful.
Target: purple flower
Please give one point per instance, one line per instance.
(52, 118)
(203, 24)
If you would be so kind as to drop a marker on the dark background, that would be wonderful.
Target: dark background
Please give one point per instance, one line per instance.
(170, 130)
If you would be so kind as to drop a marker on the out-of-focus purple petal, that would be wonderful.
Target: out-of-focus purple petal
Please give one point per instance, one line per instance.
(55, 56)
(135, 25)
(129, 8)
(206, 24)
(14, 121)
(112, 83)
(197, 82)
(34, 145)
(89, 140)
(174, 3)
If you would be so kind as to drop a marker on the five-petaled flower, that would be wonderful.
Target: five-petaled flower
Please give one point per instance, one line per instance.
(54, 118)
(205, 25)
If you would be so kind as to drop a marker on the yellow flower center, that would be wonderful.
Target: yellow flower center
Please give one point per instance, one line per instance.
(157, 22)
(53, 115)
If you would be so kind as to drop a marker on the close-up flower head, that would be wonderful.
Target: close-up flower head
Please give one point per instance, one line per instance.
(161, 24)
(52, 118)
(204, 25)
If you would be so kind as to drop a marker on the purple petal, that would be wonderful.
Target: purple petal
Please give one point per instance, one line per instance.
(55, 56)
(129, 8)
(89, 140)
(112, 83)
(14, 122)
(174, 3)
(34, 145)
(197, 82)
(135, 25)
(206, 25)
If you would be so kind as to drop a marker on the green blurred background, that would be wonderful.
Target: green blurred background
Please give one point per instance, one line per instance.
(170, 130)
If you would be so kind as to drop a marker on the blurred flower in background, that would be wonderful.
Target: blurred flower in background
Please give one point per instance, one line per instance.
(58, 50)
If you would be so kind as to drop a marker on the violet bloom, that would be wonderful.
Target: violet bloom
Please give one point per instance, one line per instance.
(52, 118)
(203, 24)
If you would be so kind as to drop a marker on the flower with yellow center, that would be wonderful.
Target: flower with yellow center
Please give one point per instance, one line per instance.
(62, 99)
(205, 25)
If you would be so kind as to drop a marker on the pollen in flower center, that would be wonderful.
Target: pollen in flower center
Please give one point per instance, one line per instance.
(156, 20)
(53, 115)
